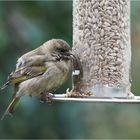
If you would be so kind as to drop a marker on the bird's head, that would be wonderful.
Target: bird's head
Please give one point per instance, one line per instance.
(60, 49)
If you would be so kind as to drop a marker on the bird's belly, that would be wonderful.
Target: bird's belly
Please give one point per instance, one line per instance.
(56, 81)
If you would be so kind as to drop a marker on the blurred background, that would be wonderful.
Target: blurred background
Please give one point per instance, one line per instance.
(26, 25)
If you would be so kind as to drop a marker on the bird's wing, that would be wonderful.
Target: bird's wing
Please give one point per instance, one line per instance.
(23, 74)
(26, 73)
(36, 60)
(28, 66)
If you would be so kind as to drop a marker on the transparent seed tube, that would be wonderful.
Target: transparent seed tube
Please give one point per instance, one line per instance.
(101, 39)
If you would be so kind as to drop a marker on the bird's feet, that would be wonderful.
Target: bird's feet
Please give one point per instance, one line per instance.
(46, 97)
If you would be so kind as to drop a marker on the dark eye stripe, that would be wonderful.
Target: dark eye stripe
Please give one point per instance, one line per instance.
(62, 50)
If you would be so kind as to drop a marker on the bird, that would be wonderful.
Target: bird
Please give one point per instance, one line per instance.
(40, 72)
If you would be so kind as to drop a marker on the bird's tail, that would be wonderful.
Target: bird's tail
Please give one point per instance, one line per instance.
(10, 109)
(4, 85)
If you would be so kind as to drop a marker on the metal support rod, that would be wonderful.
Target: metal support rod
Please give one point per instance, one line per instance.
(93, 99)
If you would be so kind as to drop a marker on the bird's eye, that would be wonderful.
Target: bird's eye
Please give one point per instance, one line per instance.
(62, 50)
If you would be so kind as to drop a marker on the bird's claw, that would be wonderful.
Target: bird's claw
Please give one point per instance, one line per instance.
(46, 97)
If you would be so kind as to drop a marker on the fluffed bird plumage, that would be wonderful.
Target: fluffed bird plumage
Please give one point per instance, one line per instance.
(41, 70)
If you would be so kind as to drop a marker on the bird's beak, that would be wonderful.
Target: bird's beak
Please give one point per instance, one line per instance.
(68, 53)
(71, 55)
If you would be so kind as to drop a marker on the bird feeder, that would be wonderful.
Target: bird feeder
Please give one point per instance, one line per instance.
(101, 40)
